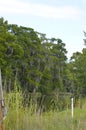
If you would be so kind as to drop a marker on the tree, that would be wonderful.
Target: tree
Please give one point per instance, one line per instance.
(31, 60)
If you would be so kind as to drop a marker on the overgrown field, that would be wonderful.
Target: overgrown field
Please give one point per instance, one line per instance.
(25, 118)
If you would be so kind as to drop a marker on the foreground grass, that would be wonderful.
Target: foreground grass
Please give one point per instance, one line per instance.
(22, 119)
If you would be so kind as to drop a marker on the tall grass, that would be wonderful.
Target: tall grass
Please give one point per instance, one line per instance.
(23, 118)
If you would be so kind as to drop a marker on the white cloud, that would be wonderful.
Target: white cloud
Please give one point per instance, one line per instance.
(16, 7)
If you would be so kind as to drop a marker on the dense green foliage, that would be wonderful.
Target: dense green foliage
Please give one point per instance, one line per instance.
(38, 66)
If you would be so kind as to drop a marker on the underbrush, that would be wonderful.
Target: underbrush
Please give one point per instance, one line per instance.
(20, 117)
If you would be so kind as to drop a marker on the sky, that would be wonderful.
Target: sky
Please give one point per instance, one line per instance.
(64, 19)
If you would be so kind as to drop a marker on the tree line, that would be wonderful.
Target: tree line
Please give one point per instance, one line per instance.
(37, 64)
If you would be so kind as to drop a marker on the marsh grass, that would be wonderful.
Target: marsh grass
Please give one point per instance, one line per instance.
(23, 118)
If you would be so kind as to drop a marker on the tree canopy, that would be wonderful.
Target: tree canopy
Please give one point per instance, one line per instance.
(39, 64)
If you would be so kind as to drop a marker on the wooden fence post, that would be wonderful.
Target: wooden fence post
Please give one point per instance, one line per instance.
(1, 104)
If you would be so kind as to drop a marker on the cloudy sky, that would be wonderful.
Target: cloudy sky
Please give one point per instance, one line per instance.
(65, 19)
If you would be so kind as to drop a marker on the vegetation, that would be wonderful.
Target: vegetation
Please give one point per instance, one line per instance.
(48, 121)
(38, 80)
(23, 118)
